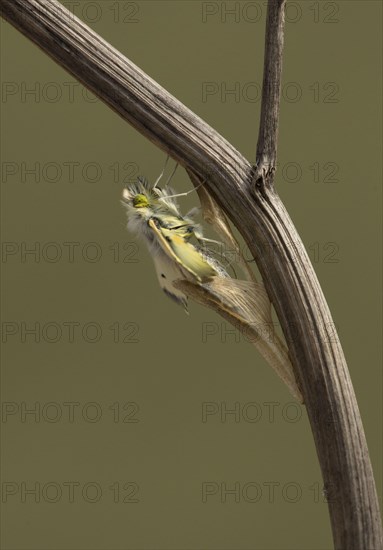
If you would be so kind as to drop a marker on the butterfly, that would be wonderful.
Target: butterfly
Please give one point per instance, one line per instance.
(175, 242)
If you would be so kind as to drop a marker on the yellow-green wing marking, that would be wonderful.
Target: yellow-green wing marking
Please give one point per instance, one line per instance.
(189, 257)
(184, 253)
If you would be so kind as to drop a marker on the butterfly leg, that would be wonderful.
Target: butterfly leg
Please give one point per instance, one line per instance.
(171, 175)
(162, 173)
(186, 192)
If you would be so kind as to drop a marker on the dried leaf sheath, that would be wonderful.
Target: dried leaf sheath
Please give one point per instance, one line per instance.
(246, 306)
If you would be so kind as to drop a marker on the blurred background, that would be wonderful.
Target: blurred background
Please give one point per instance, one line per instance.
(127, 424)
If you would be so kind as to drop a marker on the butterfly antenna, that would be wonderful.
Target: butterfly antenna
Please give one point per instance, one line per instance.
(162, 173)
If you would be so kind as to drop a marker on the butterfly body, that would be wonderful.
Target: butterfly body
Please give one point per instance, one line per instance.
(154, 215)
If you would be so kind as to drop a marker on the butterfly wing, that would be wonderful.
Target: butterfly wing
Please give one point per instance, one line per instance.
(167, 272)
(188, 258)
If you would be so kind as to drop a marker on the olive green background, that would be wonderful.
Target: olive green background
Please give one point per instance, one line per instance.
(172, 450)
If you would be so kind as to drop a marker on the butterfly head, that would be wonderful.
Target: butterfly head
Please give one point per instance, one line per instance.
(137, 194)
(138, 198)
(140, 201)
(141, 197)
